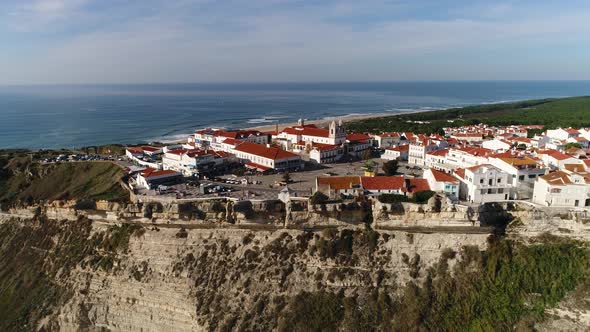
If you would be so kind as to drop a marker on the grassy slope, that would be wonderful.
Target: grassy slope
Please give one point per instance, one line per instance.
(562, 112)
(83, 180)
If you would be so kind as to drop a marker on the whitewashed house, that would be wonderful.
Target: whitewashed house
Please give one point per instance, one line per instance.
(443, 183)
(398, 153)
(483, 183)
(562, 190)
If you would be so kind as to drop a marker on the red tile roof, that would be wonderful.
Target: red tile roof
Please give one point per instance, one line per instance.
(149, 148)
(393, 134)
(443, 177)
(257, 166)
(475, 150)
(555, 154)
(307, 130)
(441, 153)
(151, 172)
(460, 172)
(231, 141)
(416, 185)
(340, 182)
(383, 182)
(134, 149)
(576, 168)
(357, 137)
(558, 178)
(272, 152)
(400, 148)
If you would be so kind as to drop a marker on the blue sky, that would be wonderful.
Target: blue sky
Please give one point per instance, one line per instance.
(128, 41)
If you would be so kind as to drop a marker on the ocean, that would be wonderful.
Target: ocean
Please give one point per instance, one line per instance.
(69, 116)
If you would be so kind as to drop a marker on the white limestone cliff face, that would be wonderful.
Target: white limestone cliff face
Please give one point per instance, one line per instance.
(170, 282)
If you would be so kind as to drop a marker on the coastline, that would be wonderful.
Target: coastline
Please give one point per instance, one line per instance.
(322, 123)
(325, 122)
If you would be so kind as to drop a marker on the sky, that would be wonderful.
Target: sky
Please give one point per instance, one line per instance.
(164, 41)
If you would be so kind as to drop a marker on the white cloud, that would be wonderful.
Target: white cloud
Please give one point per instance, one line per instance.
(300, 44)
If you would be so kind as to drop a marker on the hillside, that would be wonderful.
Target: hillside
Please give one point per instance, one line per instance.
(552, 113)
(77, 275)
(22, 180)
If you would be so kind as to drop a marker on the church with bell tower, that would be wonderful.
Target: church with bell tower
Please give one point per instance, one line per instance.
(337, 133)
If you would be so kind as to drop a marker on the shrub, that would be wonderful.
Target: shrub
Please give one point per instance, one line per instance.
(421, 197)
(392, 198)
(318, 198)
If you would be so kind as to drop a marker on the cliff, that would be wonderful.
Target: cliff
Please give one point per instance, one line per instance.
(224, 265)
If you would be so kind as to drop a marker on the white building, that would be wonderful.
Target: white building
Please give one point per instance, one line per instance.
(384, 185)
(195, 161)
(387, 140)
(521, 169)
(483, 183)
(523, 172)
(443, 183)
(264, 158)
(498, 145)
(213, 138)
(145, 156)
(562, 190)
(150, 178)
(325, 153)
(334, 135)
(556, 159)
(562, 134)
(397, 153)
(418, 149)
(436, 160)
(467, 157)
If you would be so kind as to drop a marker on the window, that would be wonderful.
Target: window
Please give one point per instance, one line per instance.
(521, 177)
(499, 180)
(532, 176)
(490, 182)
(501, 191)
(481, 181)
(489, 191)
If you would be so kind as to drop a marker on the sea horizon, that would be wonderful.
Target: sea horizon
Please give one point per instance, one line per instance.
(74, 115)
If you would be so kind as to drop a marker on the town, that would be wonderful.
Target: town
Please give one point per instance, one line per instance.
(470, 164)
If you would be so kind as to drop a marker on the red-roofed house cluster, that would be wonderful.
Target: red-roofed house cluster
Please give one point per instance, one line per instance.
(495, 163)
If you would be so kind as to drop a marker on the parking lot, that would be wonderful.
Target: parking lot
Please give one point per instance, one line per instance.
(268, 186)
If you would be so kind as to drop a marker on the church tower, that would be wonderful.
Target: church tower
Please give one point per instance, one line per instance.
(337, 132)
(332, 129)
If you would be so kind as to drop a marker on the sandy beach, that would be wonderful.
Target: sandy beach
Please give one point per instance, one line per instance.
(325, 122)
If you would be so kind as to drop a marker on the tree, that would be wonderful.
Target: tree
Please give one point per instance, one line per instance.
(369, 166)
(287, 177)
(390, 167)
(318, 198)
(366, 155)
(573, 145)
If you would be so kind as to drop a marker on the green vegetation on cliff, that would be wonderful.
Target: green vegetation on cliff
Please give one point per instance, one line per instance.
(22, 180)
(509, 285)
(562, 112)
(36, 258)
